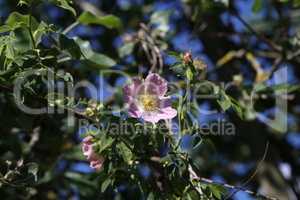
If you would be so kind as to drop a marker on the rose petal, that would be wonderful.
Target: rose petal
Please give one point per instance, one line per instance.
(134, 110)
(87, 140)
(88, 152)
(130, 90)
(97, 164)
(163, 113)
(151, 117)
(167, 113)
(156, 84)
(165, 102)
(153, 85)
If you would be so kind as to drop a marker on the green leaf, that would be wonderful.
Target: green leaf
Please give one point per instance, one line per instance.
(125, 152)
(224, 101)
(237, 107)
(216, 190)
(65, 4)
(189, 74)
(104, 143)
(24, 2)
(279, 88)
(42, 29)
(109, 21)
(105, 184)
(257, 6)
(70, 46)
(100, 60)
(126, 49)
(22, 41)
(79, 179)
(174, 54)
(92, 58)
(16, 20)
(4, 29)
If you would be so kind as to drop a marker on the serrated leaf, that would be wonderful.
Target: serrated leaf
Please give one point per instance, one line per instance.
(125, 152)
(65, 4)
(104, 143)
(16, 20)
(216, 190)
(109, 21)
(42, 29)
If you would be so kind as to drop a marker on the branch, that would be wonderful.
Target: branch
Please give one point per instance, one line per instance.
(254, 173)
(194, 176)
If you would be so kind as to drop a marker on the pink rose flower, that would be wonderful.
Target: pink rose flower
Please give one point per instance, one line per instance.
(97, 164)
(146, 99)
(96, 161)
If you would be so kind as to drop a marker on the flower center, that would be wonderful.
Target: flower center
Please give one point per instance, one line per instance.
(149, 102)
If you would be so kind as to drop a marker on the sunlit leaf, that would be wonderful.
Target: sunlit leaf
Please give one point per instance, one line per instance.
(65, 4)
(4, 29)
(16, 20)
(125, 152)
(105, 184)
(109, 21)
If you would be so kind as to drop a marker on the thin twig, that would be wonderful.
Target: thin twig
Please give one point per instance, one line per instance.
(254, 173)
(274, 46)
(69, 28)
(225, 185)
(275, 66)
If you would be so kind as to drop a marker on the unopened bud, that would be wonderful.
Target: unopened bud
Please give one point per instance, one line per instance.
(187, 57)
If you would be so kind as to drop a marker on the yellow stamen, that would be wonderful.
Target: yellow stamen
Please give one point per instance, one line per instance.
(149, 102)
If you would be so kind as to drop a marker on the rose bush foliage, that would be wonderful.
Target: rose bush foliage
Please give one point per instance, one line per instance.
(143, 141)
